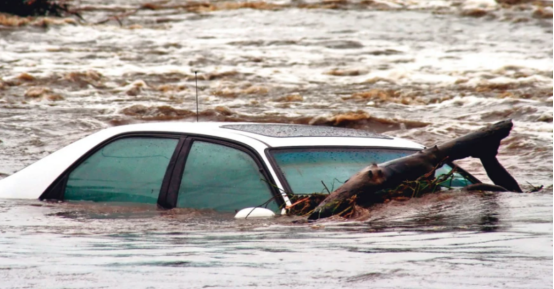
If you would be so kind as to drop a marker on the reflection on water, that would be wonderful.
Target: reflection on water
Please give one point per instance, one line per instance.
(454, 240)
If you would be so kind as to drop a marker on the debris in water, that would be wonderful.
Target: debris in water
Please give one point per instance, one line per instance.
(535, 188)
(414, 175)
(302, 205)
(35, 7)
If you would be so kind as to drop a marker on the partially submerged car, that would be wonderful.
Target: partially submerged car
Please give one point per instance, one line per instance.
(222, 166)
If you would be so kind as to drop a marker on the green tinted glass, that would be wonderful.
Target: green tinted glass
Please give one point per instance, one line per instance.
(455, 180)
(307, 170)
(222, 178)
(126, 170)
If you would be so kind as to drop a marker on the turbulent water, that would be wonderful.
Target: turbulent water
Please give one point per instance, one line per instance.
(464, 241)
(423, 70)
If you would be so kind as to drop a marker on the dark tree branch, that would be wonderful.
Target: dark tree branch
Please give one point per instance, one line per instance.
(485, 187)
(482, 144)
(499, 175)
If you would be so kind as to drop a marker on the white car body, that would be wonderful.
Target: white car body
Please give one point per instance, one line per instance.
(32, 181)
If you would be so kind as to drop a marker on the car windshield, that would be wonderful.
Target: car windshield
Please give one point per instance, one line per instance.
(318, 170)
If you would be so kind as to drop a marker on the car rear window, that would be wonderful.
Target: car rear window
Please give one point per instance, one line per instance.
(310, 171)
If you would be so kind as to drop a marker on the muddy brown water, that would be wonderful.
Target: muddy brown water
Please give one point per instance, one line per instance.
(423, 70)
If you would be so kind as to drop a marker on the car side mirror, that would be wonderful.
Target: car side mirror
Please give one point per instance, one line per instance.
(254, 212)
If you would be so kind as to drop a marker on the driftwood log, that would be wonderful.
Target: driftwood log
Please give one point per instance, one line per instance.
(482, 144)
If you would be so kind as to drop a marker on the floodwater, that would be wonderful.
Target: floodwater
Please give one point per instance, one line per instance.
(460, 241)
(423, 70)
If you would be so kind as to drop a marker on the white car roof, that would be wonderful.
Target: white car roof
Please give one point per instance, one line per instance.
(275, 135)
(26, 185)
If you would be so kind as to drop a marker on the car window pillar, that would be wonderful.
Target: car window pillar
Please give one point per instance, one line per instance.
(169, 173)
(170, 189)
(170, 197)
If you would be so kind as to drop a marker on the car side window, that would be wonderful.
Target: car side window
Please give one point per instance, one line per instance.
(126, 170)
(455, 180)
(222, 178)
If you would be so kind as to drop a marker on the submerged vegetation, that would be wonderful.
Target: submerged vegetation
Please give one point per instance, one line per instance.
(304, 205)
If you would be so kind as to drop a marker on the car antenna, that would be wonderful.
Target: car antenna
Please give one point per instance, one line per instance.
(196, 79)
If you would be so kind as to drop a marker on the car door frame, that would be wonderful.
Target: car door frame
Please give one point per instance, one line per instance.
(56, 190)
(167, 198)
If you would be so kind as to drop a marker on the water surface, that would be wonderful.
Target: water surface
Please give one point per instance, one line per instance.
(459, 240)
(428, 71)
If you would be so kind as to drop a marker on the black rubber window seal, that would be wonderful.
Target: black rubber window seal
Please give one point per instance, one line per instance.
(173, 192)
